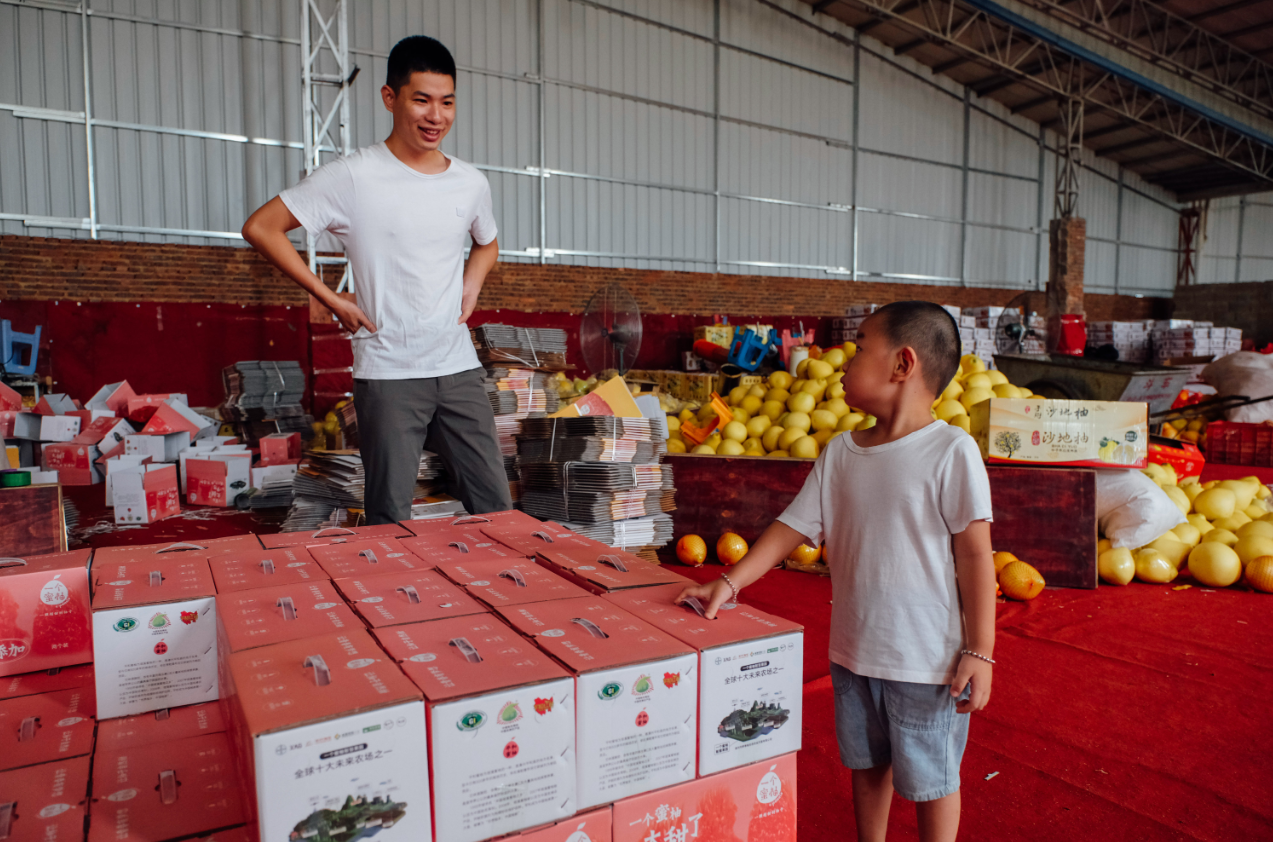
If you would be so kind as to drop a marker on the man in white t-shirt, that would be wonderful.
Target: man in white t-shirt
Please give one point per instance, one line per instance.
(405, 212)
(904, 510)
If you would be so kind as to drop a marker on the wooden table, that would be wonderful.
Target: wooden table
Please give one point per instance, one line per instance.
(31, 521)
(1045, 516)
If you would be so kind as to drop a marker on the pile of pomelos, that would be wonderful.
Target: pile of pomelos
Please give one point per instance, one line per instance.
(730, 549)
(972, 385)
(1228, 537)
(1015, 578)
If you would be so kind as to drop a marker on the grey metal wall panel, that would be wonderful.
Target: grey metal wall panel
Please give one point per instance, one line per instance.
(1011, 148)
(770, 94)
(896, 245)
(1098, 267)
(761, 29)
(909, 186)
(697, 16)
(794, 168)
(1146, 271)
(776, 234)
(902, 115)
(1002, 201)
(998, 258)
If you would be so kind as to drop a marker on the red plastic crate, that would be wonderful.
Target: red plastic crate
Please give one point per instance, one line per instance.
(1233, 443)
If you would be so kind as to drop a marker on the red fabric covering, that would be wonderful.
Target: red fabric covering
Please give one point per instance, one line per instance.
(1217, 471)
(1121, 713)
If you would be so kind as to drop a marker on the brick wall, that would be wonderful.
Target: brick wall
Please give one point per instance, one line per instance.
(1246, 305)
(47, 269)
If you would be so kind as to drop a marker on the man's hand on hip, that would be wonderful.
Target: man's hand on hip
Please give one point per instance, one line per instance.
(351, 316)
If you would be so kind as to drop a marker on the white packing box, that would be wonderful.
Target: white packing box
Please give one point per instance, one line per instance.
(217, 478)
(117, 463)
(161, 448)
(145, 493)
(59, 427)
(262, 474)
(860, 309)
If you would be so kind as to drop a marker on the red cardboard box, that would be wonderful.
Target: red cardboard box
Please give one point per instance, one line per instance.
(755, 803)
(501, 720)
(160, 726)
(145, 494)
(45, 803)
(455, 541)
(48, 681)
(501, 583)
(1184, 457)
(217, 479)
(333, 535)
(527, 539)
(592, 826)
(365, 557)
(174, 416)
(112, 396)
(599, 569)
(45, 614)
(430, 526)
(141, 407)
(106, 433)
(20, 425)
(278, 448)
(75, 463)
(45, 728)
(9, 399)
(162, 791)
(637, 695)
(326, 724)
(242, 570)
(56, 404)
(263, 616)
(155, 635)
(174, 549)
(392, 599)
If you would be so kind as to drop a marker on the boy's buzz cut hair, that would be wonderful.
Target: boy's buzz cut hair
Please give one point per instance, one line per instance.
(931, 331)
(418, 54)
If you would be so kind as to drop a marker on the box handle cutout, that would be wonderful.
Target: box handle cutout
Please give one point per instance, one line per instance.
(693, 603)
(289, 608)
(322, 675)
(267, 567)
(593, 628)
(6, 818)
(180, 546)
(370, 555)
(463, 547)
(156, 578)
(468, 650)
(162, 714)
(413, 597)
(516, 575)
(333, 530)
(614, 561)
(168, 787)
(26, 731)
(470, 519)
(543, 535)
(13, 562)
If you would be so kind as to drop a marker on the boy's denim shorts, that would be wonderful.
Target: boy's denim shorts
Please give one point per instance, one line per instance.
(912, 726)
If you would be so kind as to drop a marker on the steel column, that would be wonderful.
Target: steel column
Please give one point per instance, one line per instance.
(716, 130)
(1069, 160)
(88, 123)
(857, 111)
(963, 213)
(1118, 231)
(1237, 259)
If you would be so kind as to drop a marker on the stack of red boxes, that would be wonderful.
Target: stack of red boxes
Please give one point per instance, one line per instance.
(456, 680)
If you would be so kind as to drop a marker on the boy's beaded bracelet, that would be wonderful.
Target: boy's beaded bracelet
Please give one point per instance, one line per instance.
(974, 654)
(731, 586)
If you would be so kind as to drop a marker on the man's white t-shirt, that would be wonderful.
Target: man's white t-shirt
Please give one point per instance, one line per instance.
(404, 234)
(887, 514)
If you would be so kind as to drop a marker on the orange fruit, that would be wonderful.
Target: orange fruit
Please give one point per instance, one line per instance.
(1020, 581)
(1259, 574)
(1003, 558)
(691, 550)
(730, 548)
(805, 554)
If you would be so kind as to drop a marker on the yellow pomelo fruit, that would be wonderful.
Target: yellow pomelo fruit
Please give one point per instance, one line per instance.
(730, 548)
(714, 440)
(779, 395)
(1002, 559)
(1102, 545)
(1215, 565)
(850, 349)
(1173, 550)
(866, 424)
(837, 407)
(818, 370)
(782, 419)
(817, 388)
(753, 445)
(822, 437)
(1200, 523)
(691, 550)
(736, 395)
(789, 437)
(730, 447)
(1178, 497)
(772, 409)
(1252, 547)
(1187, 533)
(952, 391)
(1263, 493)
(1215, 503)
(675, 446)
(752, 403)
(1256, 510)
(974, 396)
(805, 554)
(757, 391)
(963, 422)
(734, 431)
(850, 422)
(686, 415)
(971, 362)
(799, 420)
(824, 419)
(801, 367)
(673, 423)
(947, 410)
(1255, 527)
(1191, 490)
(1019, 580)
(1243, 492)
(835, 390)
(997, 378)
(835, 357)
(1155, 472)
(1259, 574)
(1154, 567)
(805, 448)
(1233, 522)
(782, 454)
(1222, 536)
(1116, 566)
(758, 425)
(770, 438)
(801, 402)
(1005, 390)
(780, 380)
(981, 380)
(704, 450)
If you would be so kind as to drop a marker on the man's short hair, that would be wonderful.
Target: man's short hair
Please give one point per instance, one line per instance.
(931, 331)
(418, 54)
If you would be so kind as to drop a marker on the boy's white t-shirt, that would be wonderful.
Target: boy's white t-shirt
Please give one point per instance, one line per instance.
(404, 234)
(887, 514)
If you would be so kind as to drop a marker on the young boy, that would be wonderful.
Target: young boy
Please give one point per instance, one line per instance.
(904, 510)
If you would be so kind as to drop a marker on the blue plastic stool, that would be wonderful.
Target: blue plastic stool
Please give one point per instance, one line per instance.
(12, 344)
(748, 350)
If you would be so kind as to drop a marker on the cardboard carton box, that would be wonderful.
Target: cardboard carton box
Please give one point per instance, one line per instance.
(526, 538)
(501, 583)
(55, 404)
(204, 449)
(20, 425)
(1099, 434)
(45, 614)
(112, 396)
(164, 725)
(116, 464)
(333, 535)
(278, 448)
(331, 733)
(155, 637)
(45, 728)
(142, 407)
(283, 472)
(242, 570)
(175, 416)
(599, 569)
(45, 803)
(106, 433)
(455, 541)
(430, 526)
(411, 596)
(756, 803)
(75, 463)
(145, 493)
(365, 557)
(218, 478)
(9, 399)
(162, 791)
(591, 826)
(59, 427)
(501, 720)
(265, 616)
(637, 691)
(165, 448)
(47, 681)
(750, 679)
(173, 549)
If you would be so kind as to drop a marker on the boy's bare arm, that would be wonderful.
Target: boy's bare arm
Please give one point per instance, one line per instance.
(975, 572)
(774, 545)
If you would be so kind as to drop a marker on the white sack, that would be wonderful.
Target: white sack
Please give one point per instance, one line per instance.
(1244, 373)
(1132, 510)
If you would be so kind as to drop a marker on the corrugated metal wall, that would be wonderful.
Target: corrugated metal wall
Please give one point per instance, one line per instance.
(682, 134)
(1238, 242)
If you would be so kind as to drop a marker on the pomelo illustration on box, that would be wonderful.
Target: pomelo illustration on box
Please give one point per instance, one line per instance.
(44, 612)
(1099, 434)
(590, 826)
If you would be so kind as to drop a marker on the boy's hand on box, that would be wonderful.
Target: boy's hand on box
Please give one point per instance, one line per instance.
(979, 673)
(713, 595)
